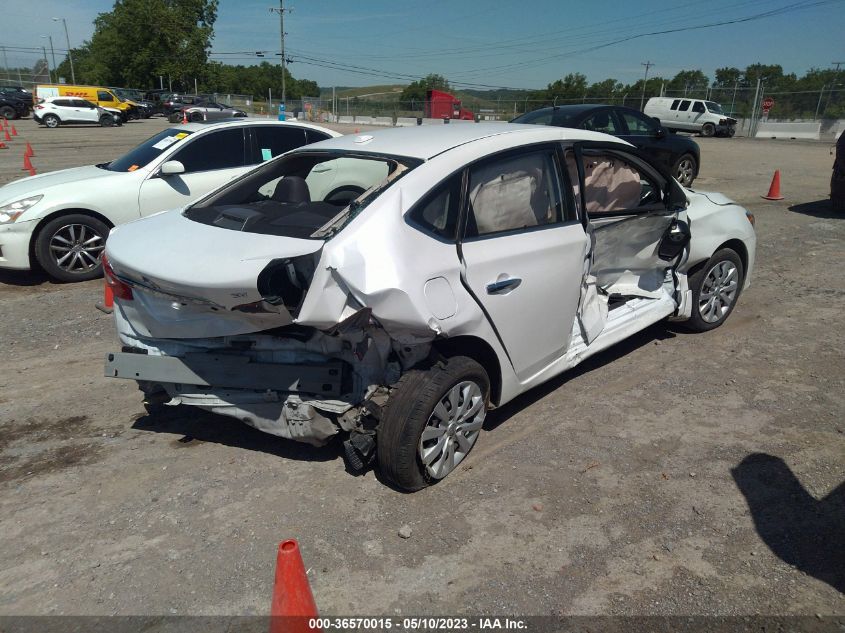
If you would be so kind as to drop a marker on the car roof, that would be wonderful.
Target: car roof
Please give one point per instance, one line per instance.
(200, 126)
(426, 141)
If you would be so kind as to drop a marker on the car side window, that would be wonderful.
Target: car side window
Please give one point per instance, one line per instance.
(698, 107)
(684, 106)
(602, 121)
(638, 125)
(62, 103)
(272, 140)
(312, 136)
(613, 185)
(512, 193)
(674, 105)
(104, 96)
(221, 149)
(437, 213)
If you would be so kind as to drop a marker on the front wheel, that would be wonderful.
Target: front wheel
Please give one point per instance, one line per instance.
(431, 422)
(685, 170)
(70, 247)
(51, 120)
(8, 112)
(107, 120)
(708, 129)
(715, 289)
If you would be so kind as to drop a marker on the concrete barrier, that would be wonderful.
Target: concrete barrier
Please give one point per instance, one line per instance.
(812, 130)
(461, 121)
(432, 121)
(346, 119)
(382, 120)
(406, 121)
(364, 120)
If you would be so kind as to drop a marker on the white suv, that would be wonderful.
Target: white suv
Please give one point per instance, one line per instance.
(55, 111)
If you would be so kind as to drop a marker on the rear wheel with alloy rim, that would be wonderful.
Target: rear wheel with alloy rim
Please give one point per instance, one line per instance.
(432, 420)
(685, 170)
(716, 286)
(708, 129)
(51, 120)
(70, 247)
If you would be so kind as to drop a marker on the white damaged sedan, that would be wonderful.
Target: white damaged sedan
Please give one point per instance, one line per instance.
(472, 263)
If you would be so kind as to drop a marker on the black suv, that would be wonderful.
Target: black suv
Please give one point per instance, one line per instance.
(15, 103)
(679, 155)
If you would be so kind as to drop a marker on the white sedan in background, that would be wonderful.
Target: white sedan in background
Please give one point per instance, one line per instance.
(480, 261)
(63, 217)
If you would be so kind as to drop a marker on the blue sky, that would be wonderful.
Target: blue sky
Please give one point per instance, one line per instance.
(486, 43)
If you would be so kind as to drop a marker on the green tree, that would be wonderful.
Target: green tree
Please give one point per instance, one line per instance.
(138, 40)
(415, 91)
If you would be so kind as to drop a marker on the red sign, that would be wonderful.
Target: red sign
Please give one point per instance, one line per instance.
(768, 103)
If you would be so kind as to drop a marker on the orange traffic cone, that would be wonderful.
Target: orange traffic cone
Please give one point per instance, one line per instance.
(184, 117)
(29, 149)
(14, 131)
(32, 171)
(293, 603)
(3, 145)
(6, 134)
(107, 305)
(27, 164)
(774, 188)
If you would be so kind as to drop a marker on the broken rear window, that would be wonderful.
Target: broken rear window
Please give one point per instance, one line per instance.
(310, 195)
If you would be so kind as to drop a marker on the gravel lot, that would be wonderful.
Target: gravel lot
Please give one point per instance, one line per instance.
(674, 474)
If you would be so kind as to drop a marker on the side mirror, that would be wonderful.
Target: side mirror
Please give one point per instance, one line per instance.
(172, 168)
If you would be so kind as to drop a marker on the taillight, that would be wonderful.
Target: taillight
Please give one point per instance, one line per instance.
(119, 289)
(39, 107)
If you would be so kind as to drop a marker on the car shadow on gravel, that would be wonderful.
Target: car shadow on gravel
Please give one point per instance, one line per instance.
(802, 531)
(192, 428)
(26, 278)
(817, 209)
(657, 332)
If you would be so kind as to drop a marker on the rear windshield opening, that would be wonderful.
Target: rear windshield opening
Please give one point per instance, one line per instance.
(303, 195)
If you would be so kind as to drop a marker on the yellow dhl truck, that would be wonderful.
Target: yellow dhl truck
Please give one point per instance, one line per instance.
(103, 97)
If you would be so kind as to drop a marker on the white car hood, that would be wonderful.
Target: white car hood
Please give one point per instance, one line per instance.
(35, 185)
(189, 278)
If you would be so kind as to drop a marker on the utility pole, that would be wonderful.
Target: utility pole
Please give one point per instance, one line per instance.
(69, 54)
(647, 65)
(281, 11)
(53, 55)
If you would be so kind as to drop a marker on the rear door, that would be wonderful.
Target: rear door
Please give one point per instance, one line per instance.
(211, 159)
(523, 251)
(643, 133)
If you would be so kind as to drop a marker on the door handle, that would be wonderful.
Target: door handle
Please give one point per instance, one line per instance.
(504, 286)
(319, 169)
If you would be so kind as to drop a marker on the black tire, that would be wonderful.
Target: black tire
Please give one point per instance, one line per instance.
(685, 170)
(731, 132)
(107, 120)
(47, 242)
(708, 129)
(408, 411)
(195, 116)
(697, 322)
(51, 121)
(8, 112)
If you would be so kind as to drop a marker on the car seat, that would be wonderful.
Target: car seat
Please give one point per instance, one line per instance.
(292, 189)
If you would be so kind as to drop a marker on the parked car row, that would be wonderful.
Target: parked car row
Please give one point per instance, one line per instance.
(387, 287)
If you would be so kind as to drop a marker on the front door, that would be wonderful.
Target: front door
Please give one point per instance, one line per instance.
(523, 251)
(644, 134)
(210, 160)
(629, 212)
